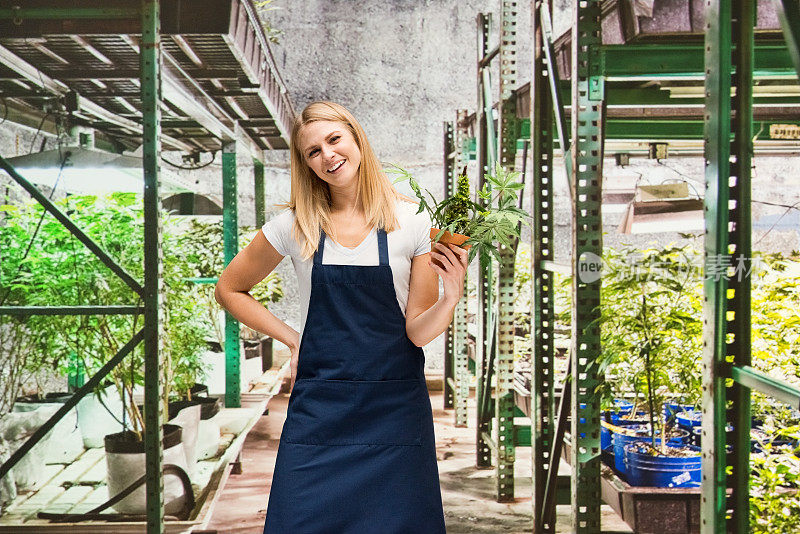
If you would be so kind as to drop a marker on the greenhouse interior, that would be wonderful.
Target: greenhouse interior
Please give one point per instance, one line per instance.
(622, 350)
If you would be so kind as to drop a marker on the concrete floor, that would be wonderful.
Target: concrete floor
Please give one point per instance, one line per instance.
(467, 492)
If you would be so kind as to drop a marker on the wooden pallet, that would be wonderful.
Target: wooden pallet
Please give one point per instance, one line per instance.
(80, 486)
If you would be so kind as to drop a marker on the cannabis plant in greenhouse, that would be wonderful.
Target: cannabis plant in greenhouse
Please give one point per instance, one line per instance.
(481, 227)
(651, 330)
(44, 264)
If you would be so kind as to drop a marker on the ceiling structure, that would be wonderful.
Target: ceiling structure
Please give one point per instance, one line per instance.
(219, 79)
(653, 66)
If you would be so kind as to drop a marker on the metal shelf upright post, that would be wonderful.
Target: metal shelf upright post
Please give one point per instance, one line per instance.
(728, 377)
(542, 300)
(496, 407)
(586, 157)
(154, 288)
(508, 131)
(485, 151)
(583, 161)
(258, 186)
(449, 335)
(460, 344)
(456, 366)
(230, 223)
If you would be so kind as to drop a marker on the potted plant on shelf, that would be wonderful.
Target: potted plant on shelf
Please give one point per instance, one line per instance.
(651, 337)
(463, 222)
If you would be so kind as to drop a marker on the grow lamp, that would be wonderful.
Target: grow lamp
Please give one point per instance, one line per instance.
(87, 170)
(662, 208)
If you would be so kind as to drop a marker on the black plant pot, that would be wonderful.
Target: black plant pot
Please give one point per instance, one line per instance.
(127, 442)
(199, 390)
(209, 406)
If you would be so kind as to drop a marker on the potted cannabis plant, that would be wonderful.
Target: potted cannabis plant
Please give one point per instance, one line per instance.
(463, 222)
(651, 345)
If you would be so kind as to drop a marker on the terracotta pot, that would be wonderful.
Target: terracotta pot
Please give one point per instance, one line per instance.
(454, 239)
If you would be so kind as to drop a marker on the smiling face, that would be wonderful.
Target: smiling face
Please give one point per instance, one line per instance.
(330, 150)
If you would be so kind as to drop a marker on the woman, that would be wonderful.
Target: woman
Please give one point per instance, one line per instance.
(357, 452)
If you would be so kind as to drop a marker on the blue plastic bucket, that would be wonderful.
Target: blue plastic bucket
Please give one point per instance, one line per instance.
(644, 469)
(620, 440)
(671, 410)
(689, 421)
(605, 432)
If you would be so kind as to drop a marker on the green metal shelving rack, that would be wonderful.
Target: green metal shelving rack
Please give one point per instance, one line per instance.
(151, 292)
(728, 149)
(727, 375)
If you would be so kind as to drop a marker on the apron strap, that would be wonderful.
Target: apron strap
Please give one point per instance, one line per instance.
(320, 248)
(383, 248)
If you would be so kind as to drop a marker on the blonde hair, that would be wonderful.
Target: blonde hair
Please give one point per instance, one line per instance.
(310, 196)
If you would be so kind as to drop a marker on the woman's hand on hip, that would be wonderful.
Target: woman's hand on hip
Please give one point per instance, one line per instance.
(450, 263)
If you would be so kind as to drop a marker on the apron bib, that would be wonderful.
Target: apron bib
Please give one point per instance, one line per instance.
(357, 452)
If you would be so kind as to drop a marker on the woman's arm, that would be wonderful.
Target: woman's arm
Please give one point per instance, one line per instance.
(251, 265)
(427, 315)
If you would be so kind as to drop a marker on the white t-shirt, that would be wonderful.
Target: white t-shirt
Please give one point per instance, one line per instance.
(412, 238)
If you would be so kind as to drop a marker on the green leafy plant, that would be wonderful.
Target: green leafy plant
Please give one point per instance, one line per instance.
(486, 226)
(774, 499)
(56, 269)
(651, 328)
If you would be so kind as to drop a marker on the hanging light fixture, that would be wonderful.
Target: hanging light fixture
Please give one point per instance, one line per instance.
(81, 169)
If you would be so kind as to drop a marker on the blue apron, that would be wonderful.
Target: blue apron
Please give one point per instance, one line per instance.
(357, 452)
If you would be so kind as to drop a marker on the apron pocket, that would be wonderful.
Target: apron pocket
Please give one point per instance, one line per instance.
(355, 412)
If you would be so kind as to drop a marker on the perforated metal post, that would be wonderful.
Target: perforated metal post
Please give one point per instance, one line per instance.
(460, 346)
(230, 225)
(740, 232)
(150, 64)
(587, 166)
(543, 312)
(449, 335)
(258, 186)
(726, 452)
(484, 286)
(717, 148)
(504, 368)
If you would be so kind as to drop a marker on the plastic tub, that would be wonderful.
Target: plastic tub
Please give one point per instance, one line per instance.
(644, 469)
(689, 421)
(606, 433)
(620, 440)
(671, 410)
